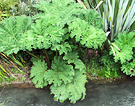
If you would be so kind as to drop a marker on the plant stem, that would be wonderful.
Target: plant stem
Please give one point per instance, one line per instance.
(49, 65)
(56, 53)
(33, 55)
(3, 69)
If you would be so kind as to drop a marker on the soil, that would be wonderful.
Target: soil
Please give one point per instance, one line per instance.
(95, 80)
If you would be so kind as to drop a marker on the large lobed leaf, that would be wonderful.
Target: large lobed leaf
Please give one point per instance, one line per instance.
(11, 32)
(125, 43)
(63, 10)
(67, 83)
(38, 74)
(87, 35)
(62, 47)
(43, 34)
(73, 58)
(60, 72)
(129, 68)
(92, 17)
(73, 91)
(48, 30)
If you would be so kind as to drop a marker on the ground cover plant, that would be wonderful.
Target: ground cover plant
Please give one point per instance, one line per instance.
(60, 32)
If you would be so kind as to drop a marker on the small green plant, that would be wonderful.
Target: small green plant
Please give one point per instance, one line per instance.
(112, 69)
(103, 67)
(123, 52)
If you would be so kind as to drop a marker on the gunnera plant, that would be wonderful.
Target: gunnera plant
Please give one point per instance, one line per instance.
(63, 27)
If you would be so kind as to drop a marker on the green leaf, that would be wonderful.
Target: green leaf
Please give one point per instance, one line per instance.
(80, 65)
(125, 42)
(126, 38)
(92, 17)
(38, 72)
(124, 55)
(62, 48)
(60, 72)
(129, 68)
(11, 32)
(72, 91)
(15, 60)
(86, 34)
(63, 10)
(78, 86)
(60, 92)
(28, 41)
(43, 34)
(78, 28)
(73, 58)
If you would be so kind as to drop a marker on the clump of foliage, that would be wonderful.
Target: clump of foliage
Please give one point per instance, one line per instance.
(67, 82)
(61, 32)
(5, 7)
(123, 52)
(103, 67)
(118, 23)
(25, 7)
